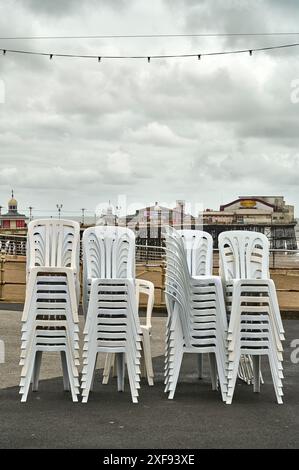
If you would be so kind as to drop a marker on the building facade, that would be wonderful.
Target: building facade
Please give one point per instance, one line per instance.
(107, 217)
(267, 214)
(12, 221)
(148, 222)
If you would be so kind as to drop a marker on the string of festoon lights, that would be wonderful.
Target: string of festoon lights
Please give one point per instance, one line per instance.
(148, 57)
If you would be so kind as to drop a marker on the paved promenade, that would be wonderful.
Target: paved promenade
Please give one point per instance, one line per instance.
(196, 418)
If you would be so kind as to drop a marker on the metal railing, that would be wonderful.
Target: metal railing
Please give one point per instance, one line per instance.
(150, 264)
(154, 254)
(279, 258)
(13, 245)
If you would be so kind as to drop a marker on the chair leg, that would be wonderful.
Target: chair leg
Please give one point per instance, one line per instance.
(70, 375)
(232, 381)
(278, 390)
(114, 367)
(200, 365)
(36, 370)
(256, 360)
(142, 363)
(148, 358)
(107, 367)
(26, 385)
(120, 368)
(133, 378)
(94, 375)
(213, 370)
(176, 374)
(88, 375)
(66, 381)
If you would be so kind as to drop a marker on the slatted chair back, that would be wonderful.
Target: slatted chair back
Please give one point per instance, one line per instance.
(243, 255)
(53, 243)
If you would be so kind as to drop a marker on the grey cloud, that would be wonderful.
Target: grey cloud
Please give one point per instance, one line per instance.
(52, 7)
(79, 131)
(65, 7)
(238, 16)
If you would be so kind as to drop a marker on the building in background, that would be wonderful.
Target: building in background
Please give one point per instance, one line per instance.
(148, 222)
(107, 217)
(267, 214)
(13, 221)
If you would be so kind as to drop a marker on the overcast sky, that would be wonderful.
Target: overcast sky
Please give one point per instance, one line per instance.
(79, 132)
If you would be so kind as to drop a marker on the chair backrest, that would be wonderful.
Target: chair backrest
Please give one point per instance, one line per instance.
(243, 255)
(199, 251)
(108, 252)
(53, 243)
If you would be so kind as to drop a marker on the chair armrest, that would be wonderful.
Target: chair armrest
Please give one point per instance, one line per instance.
(146, 287)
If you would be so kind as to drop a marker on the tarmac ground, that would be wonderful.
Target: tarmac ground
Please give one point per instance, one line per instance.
(195, 419)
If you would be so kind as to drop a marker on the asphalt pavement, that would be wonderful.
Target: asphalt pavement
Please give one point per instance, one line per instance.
(196, 418)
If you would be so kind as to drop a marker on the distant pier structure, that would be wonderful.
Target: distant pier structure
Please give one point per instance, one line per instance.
(267, 214)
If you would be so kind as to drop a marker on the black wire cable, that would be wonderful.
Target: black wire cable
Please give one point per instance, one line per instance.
(149, 56)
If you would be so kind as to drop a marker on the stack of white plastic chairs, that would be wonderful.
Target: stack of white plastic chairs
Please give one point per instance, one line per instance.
(255, 327)
(146, 288)
(50, 316)
(112, 322)
(197, 320)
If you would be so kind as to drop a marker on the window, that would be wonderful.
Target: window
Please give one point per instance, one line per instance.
(6, 224)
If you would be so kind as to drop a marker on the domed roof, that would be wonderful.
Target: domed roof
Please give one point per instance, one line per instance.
(12, 201)
(109, 209)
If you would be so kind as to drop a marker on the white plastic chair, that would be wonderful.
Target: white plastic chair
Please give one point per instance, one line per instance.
(255, 326)
(112, 323)
(196, 313)
(108, 252)
(198, 247)
(50, 316)
(112, 326)
(141, 287)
